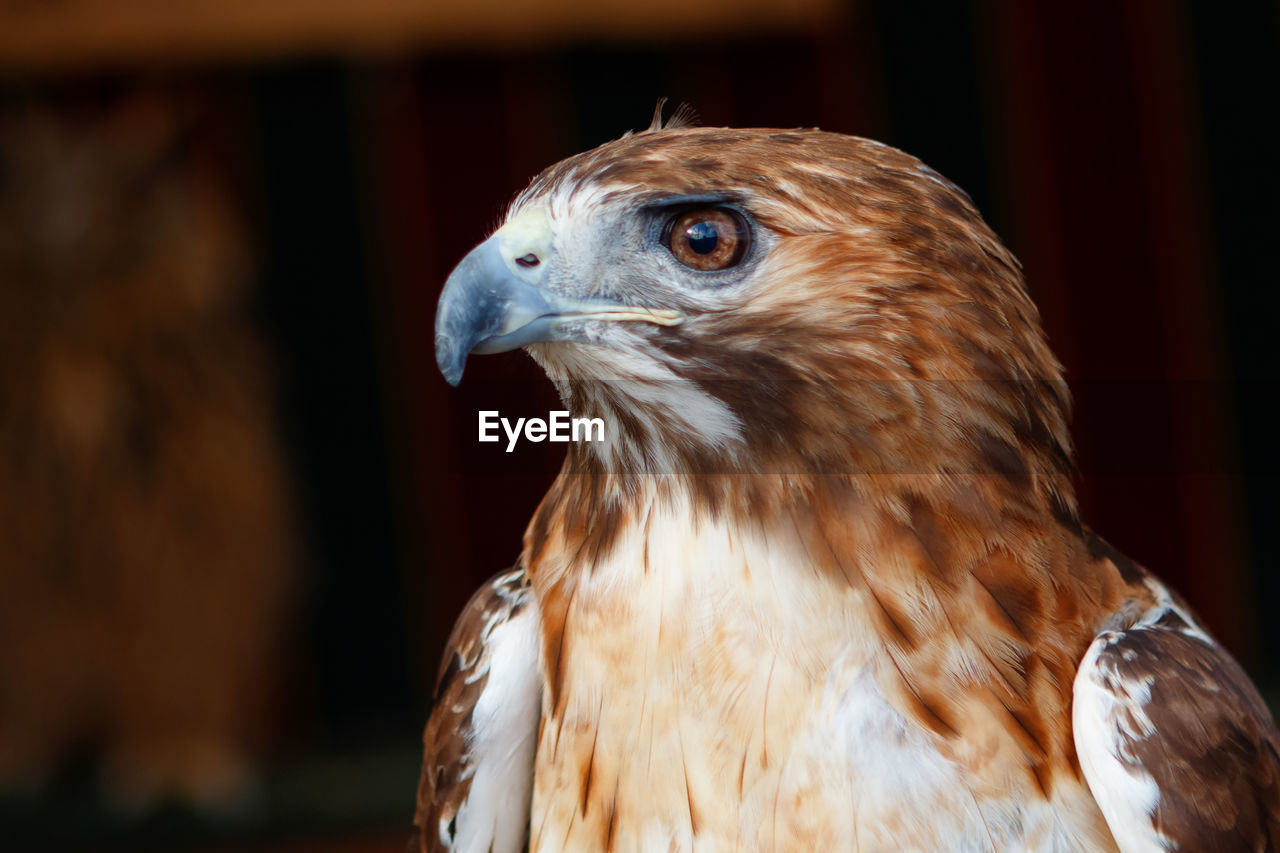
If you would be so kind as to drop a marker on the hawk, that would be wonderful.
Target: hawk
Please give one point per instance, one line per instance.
(824, 585)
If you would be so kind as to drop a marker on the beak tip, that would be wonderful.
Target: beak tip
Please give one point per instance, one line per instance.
(451, 361)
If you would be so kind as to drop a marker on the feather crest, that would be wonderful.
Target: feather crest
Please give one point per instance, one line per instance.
(684, 116)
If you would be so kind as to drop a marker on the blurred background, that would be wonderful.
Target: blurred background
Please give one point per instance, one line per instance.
(239, 508)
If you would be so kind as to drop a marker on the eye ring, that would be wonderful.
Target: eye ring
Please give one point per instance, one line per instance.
(707, 239)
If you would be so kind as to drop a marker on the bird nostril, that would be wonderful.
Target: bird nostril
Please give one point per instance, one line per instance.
(529, 260)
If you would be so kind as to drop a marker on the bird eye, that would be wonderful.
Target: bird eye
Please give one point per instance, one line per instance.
(709, 238)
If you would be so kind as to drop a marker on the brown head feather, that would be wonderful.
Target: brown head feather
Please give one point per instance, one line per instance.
(886, 330)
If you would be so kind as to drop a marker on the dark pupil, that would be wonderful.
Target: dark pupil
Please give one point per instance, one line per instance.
(703, 237)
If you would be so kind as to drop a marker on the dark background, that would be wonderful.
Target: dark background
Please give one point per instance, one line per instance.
(1125, 151)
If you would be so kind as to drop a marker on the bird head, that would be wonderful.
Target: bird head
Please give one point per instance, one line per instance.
(767, 301)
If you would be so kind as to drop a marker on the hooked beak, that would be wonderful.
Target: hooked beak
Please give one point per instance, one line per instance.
(495, 301)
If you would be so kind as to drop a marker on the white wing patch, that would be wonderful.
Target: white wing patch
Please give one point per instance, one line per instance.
(478, 748)
(495, 814)
(1107, 717)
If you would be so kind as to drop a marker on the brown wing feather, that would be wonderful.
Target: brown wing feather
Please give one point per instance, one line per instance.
(1212, 751)
(447, 759)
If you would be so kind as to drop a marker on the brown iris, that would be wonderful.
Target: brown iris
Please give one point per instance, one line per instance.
(709, 238)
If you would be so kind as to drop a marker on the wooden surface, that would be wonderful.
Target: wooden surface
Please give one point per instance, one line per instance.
(87, 33)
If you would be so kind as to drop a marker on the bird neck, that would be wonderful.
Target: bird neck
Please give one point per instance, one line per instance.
(954, 521)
